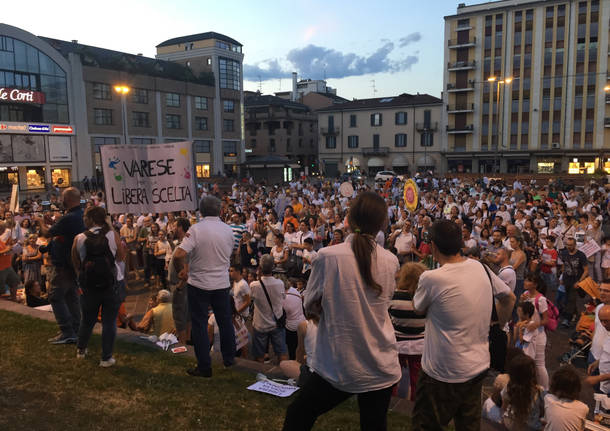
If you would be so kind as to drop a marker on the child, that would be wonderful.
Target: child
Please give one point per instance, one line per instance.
(33, 294)
(408, 325)
(562, 410)
(522, 399)
(492, 407)
(308, 256)
(524, 339)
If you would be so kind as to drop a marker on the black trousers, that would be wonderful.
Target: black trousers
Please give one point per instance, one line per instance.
(292, 340)
(317, 397)
(498, 341)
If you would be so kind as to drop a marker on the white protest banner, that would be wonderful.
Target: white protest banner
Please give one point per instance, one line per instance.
(589, 248)
(149, 178)
(273, 388)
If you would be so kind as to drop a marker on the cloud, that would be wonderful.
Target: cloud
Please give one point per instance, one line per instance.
(314, 61)
(410, 38)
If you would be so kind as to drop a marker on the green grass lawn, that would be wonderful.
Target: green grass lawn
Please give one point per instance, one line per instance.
(44, 387)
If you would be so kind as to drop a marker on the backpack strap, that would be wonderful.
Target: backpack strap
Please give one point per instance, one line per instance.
(268, 299)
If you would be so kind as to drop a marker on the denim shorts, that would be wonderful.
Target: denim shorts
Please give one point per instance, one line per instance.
(260, 342)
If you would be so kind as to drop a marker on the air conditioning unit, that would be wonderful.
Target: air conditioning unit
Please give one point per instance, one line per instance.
(555, 145)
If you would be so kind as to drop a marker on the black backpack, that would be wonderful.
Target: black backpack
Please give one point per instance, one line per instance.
(98, 270)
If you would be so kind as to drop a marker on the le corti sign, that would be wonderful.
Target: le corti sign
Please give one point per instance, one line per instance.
(17, 95)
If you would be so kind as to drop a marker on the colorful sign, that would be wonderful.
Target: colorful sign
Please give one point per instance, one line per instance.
(63, 129)
(26, 128)
(411, 195)
(17, 95)
(149, 178)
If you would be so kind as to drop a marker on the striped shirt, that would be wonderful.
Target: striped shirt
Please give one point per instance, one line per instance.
(408, 325)
(238, 232)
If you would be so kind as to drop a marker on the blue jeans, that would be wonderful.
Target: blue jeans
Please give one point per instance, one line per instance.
(260, 342)
(91, 301)
(63, 297)
(199, 301)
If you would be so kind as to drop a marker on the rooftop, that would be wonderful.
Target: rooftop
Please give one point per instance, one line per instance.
(135, 64)
(197, 37)
(385, 102)
(267, 100)
(463, 9)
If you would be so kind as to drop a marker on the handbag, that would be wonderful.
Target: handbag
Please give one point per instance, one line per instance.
(281, 322)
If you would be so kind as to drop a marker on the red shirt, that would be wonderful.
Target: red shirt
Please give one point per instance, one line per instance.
(548, 254)
(5, 259)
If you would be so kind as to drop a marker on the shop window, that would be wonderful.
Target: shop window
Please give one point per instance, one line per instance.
(578, 167)
(60, 177)
(203, 171)
(546, 167)
(35, 178)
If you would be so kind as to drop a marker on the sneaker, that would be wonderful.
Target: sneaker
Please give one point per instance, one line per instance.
(107, 363)
(54, 337)
(228, 364)
(63, 340)
(196, 372)
(565, 323)
(81, 353)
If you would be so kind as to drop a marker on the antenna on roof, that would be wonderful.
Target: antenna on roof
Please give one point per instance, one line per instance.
(374, 88)
(280, 84)
(260, 84)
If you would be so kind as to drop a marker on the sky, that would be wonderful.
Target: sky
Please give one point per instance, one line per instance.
(364, 49)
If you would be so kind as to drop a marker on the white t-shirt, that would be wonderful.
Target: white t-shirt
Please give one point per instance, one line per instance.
(604, 365)
(293, 305)
(457, 299)
(239, 292)
(600, 335)
(263, 320)
(79, 243)
(564, 415)
(405, 242)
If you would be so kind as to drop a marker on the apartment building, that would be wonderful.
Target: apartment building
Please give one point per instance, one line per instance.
(525, 87)
(399, 133)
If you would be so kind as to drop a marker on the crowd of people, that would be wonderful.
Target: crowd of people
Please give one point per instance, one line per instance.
(346, 291)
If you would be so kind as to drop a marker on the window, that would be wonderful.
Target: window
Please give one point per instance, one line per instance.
(288, 145)
(228, 106)
(201, 146)
(427, 139)
(272, 145)
(201, 103)
(101, 91)
(463, 23)
(401, 118)
(375, 141)
(352, 120)
(400, 140)
(331, 142)
(203, 171)
(201, 123)
(103, 117)
(331, 123)
(229, 148)
(230, 73)
(139, 95)
(427, 118)
(172, 99)
(172, 121)
(352, 141)
(375, 119)
(140, 119)
(99, 141)
(142, 141)
(228, 125)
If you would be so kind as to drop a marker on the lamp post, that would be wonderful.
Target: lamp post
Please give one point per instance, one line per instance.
(601, 151)
(499, 139)
(123, 90)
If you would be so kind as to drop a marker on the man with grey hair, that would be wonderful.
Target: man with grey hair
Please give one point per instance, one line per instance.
(209, 245)
(268, 294)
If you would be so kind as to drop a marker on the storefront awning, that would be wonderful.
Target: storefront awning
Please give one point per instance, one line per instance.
(375, 162)
(400, 161)
(426, 160)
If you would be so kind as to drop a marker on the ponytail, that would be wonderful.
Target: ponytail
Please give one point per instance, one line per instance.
(363, 247)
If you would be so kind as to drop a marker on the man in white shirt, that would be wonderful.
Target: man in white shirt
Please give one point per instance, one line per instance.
(405, 243)
(600, 335)
(209, 245)
(240, 292)
(603, 362)
(457, 299)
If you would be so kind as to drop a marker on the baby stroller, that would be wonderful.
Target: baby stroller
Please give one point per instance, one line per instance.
(581, 338)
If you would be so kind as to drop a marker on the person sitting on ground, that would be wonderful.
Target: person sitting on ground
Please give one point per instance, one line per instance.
(159, 319)
(33, 294)
(562, 409)
(522, 399)
(492, 407)
(241, 333)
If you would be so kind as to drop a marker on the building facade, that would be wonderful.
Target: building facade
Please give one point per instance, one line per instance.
(400, 133)
(59, 104)
(280, 127)
(525, 87)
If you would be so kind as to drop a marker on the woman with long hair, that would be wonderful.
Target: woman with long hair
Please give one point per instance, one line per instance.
(522, 400)
(349, 293)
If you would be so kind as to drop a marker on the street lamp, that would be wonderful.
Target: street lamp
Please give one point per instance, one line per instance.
(498, 81)
(123, 90)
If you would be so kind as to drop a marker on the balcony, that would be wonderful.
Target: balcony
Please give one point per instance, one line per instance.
(461, 65)
(452, 88)
(462, 108)
(607, 98)
(426, 127)
(329, 130)
(455, 43)
(455, 130)
(375, 151)
(606, 122)
(459, 148)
